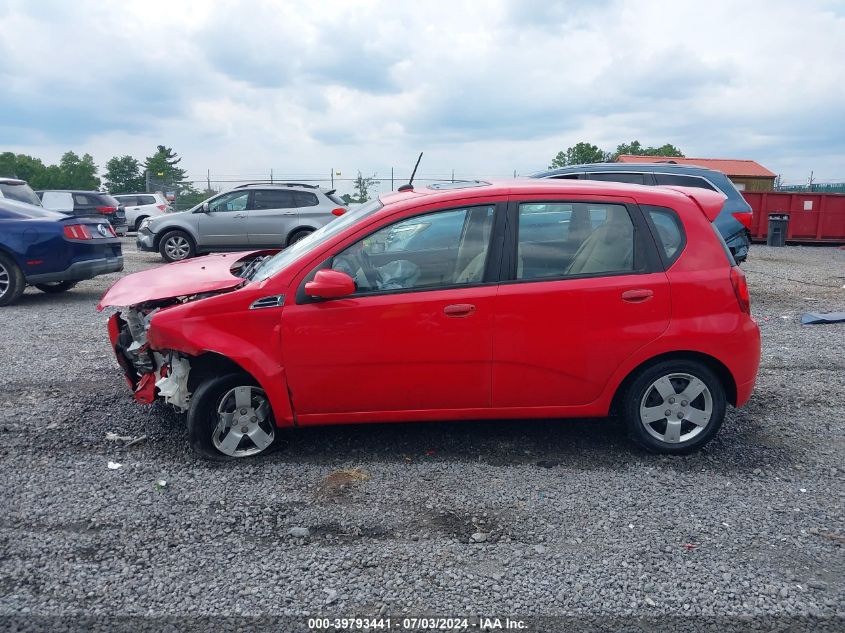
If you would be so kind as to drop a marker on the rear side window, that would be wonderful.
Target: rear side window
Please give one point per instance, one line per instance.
(333, 197)
(634, 179)
(128, 201)
(273, 199)
(146, 200)
(567, 177)
(579, 238)
(82, 199)
(305, 199)
(668, 232)
(678, 180)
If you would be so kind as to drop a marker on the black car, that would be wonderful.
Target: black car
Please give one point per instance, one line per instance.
(734, 222)
(86, 203)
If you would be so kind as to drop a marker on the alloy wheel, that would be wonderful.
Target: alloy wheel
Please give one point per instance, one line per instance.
(177, 247)
(5, 280)
(244, 424)
(676, 408)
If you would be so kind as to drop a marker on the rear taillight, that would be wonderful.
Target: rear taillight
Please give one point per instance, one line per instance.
(744, 218)
(77, 232)
(339, 211)
(741, 289)
(161, 207)
(106, 210)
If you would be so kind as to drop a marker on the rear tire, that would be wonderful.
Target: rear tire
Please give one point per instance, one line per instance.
(674, 407)
(176, 246)
(12, 282)
(298, 235)
(230, 418)
(56, 286)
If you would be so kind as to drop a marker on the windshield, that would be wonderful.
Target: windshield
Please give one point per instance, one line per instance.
(271, 266)
(20, 192)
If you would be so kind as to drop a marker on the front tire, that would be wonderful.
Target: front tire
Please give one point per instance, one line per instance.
(176, 246)
(56, 286)
(674, 407)
(12, 282)
(230, 418)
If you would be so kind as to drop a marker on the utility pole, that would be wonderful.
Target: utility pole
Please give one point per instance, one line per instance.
(271, 175)
(147, 180)
(453, 175)
(391, 179)
(332, 177)
(208, 179)
(810, 183)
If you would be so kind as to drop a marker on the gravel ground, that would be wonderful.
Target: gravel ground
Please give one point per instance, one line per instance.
(501, 519)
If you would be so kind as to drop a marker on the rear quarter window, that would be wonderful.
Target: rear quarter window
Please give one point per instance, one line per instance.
(668, 231)
(679, 180)
(305, 199)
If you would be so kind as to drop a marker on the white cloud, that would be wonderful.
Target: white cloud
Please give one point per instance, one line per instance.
(484, 88)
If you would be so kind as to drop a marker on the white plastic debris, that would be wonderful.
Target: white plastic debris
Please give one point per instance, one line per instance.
(114, 465)
(114, 437)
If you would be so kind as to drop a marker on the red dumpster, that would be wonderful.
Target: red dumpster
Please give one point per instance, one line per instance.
(813, 217)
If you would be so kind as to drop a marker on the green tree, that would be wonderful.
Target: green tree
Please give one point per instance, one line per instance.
(634, 148)
(78, 173)
(7, 165)
(163, 170)
(123, 175)
(579, 154)
(190, 197)
(361, 185)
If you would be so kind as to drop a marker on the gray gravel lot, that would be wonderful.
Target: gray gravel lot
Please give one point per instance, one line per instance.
(571, 519)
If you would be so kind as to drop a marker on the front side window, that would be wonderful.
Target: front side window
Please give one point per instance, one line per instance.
(235, 201)
(273, 199)
(579, 238)
(444, 248)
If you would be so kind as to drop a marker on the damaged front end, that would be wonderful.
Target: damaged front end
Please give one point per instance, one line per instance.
(149, 372)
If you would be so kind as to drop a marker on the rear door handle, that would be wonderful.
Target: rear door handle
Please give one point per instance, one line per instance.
(288, 212)
(637, 296)
(239, 215)
(459, 310)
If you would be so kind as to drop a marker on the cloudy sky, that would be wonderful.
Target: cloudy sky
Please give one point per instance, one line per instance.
(484, 88)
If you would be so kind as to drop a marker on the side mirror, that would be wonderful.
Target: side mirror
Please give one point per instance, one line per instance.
(330, 284)
(203, 208)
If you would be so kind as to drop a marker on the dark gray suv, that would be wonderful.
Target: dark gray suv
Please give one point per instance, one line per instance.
(251, 216)
(733, 222)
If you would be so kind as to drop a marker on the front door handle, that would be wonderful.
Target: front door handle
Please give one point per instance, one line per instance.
(637, 296)
(288, 212)
(459, 310)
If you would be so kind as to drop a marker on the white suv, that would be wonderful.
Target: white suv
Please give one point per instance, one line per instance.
(140, 206)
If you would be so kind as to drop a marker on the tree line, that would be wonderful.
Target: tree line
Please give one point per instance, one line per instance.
(123, 174)
(583, 153)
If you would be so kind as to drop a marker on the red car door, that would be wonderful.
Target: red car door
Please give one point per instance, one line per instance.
(417, 335)
(587, 292)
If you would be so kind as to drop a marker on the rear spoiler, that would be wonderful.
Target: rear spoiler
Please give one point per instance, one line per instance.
(710, 202)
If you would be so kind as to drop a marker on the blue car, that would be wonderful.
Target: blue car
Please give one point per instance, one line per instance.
(50, 250)
(734, 221)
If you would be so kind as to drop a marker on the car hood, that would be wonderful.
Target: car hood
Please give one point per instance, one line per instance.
(211, 273)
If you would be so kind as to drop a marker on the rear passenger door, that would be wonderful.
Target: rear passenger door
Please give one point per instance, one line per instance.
(273, 215)
(583, 288)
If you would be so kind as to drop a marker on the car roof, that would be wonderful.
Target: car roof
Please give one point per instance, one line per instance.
(628, 167)
(642, 194)
(102, 193)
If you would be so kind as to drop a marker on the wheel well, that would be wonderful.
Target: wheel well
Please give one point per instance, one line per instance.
(299, 229)
(211, 364)
(140, 219)
(714, 364)
(161, 234)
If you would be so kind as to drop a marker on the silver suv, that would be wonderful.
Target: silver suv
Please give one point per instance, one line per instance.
(251, 216)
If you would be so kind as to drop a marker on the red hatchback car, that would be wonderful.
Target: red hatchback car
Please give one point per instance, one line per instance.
(470, 301)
